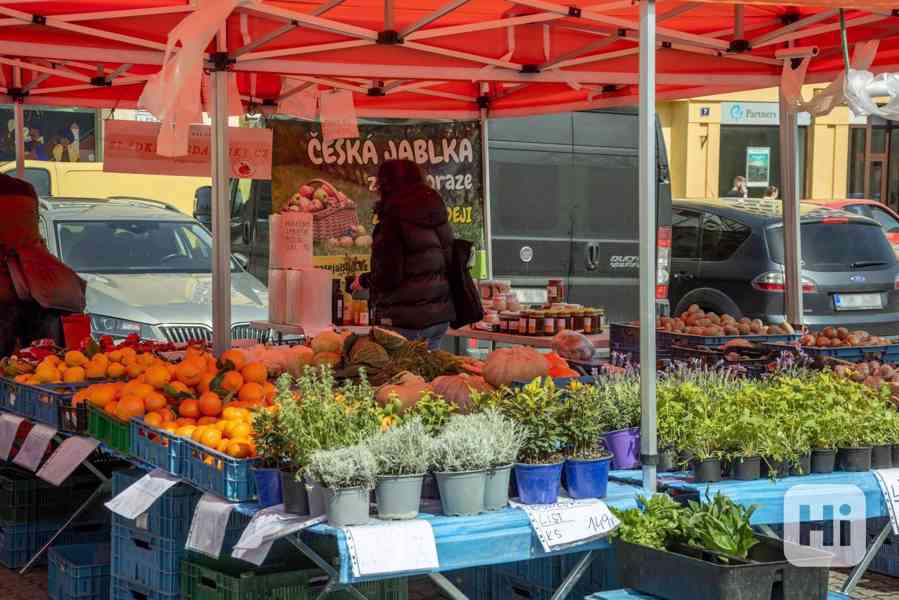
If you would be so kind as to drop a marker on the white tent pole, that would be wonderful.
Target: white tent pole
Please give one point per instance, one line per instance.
(485, 181)
(789, 158)
(221, 215)
(647, 177)
(19, 120)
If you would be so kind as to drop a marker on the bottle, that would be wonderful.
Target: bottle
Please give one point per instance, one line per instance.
(363, 313)
(336, 302)
(347, 308)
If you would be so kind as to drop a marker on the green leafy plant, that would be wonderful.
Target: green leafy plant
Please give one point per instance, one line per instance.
(458, 448)
(618, 398)
(581, 422)
(654, 523)
(343, 468)
(403, 450)
(720, 524)
(433, 411)
(536, 407)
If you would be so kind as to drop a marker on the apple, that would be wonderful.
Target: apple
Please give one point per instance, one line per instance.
(320, 194)
(306, 191)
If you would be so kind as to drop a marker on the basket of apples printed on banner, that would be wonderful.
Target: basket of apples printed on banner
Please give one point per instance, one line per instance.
(335, 221)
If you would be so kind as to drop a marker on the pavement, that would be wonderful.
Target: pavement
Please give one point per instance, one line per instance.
(33, 586)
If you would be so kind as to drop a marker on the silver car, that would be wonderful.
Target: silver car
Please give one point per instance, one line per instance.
(148, 269)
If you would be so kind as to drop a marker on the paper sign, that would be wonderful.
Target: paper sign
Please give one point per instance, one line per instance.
(302, 104)
(9, 425)
(338, 115)
(130, 147)
(268, 525)
(35, 446)
(65, 460)
(889, 485)
(207, 530)
(570, 523)
(140, 496)
(411, 543)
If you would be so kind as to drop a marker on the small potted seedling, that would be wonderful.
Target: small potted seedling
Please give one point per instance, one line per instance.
(403, 455)
(460, 462)
(347, 476)
(586, 459)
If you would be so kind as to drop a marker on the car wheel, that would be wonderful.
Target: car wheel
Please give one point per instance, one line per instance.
(709, 301)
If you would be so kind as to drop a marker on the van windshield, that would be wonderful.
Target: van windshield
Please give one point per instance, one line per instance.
(135, 246)
(837, 246)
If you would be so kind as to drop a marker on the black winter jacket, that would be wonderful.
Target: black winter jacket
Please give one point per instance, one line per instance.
(410, 261)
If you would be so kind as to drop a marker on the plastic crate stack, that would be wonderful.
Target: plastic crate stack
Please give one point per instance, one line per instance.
(886, 561)
(79, 572)
(32, 511)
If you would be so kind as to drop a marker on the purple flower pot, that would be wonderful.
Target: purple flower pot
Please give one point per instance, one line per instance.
(624, 445)
(538, 484)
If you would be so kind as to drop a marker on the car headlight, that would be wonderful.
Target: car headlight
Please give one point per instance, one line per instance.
(103, 325)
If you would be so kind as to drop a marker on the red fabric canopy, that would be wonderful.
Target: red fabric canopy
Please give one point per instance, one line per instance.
(431, 57)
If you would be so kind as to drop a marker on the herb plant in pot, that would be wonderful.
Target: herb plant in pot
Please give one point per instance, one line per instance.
(704, 436)
(826, 431)
(853, 446)
(347, 476)
(619, 399)
(742, 437)
(670, 426)
(586, 461)
(460, 461)
(403, 455)
(275, 465)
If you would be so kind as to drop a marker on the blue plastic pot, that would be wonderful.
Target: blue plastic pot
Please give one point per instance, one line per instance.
(587, 478)
(538, 484)
(268, 487)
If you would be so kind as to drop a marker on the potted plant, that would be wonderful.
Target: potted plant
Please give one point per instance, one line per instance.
(403, 455)
(586, 461)
(536, 408)
(670, 423)
(825, 431)
(460, 462)
(894, 436)
(742, 440)
(347, 476)
(704, 432)
(880, 428)
(275, 466)
(619, 400)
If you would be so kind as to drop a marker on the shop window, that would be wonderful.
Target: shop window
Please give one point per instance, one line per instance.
(736, 139)
(684, 234)
(856, 187)
(721, 237)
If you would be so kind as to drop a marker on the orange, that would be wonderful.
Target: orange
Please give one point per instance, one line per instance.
(269, 390)
(73, 375)
(205, 381)
(101, 394)
(189, 371)
(79, 397)
(115, 356)
(240, 430)
(111, 407)
(142, 390)
(207, 420)
(233, 413)
(166, 414)
(223, 445)
(170, 426)
(211, 438)
(211, 364)
(146, 359)
(129, 354)
(75, 358)
(115, 370)
(232, 381)
(255, 373)
(155, 401)
(157, 376)
(47, 373)
(235, 357)
(95, 370)
(251, 393)
(197, 435)
(153, 419)
(179, 387)
(130, 406)
(185, 421)
(210, 404)
(220, 425)
(189, 408)
(52, 360)
(238, 450)
(185, 431)
(135, 370)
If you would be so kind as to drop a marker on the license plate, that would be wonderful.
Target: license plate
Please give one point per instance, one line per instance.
(857, 301)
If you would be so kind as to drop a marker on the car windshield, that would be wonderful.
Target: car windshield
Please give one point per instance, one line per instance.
(135, 246)
(837, 246)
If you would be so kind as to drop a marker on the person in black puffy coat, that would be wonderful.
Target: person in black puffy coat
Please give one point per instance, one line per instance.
(411, 256)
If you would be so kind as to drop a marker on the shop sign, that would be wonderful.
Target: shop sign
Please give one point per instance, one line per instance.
(130, 147)
(756, 113)
(758, 166)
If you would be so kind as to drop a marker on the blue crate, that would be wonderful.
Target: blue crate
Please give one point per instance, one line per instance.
(624, 343)
(18, 543)
(891, 354)
(146, 559)
(157, 447)
(625, 594)
(691, 341)
(121, 589)
(850, 354)
(230, 478)
(79, 572)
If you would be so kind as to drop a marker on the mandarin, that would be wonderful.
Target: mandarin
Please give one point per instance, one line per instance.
(255, 373)
(111, 408)
(235, 357)
(189, 371)
(185, 431)
(182, 421)
(210, 404)
(251, 393)
(167, 415)
(207, 420)
(232, 381)
(189, 408)
(115, 370)
(155, 401)
(74, 358)
(157, 376)
(211, 438)
(130, 406)
(153, 419)
(73, 375)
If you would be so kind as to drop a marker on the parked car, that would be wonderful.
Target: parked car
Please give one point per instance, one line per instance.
(148, 269)
(872, 209)
(727, 257)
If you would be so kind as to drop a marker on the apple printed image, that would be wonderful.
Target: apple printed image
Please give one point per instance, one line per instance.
(244, 169)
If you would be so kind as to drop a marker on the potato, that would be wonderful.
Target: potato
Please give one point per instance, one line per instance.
(694, 308)
(728, 319)
(678, 325)
(842, 370)
(822, 342)
(757, 322)
(842, 333)
(852, 340)
(836, 343)
(807, 340)
(711, 330)
(828, 332)
(873, 381)
(746, 320)
(744, 328)
(887, 372)
(755, 328)
(731, 330)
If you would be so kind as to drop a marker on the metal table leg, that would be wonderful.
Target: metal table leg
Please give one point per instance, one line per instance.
(766, 529)
(447, 586)
(861, 567)
(333, 584)
(574, 576)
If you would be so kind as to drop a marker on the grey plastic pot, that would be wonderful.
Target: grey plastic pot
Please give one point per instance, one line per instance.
(462, 493)
(895, 455)
(399, 497)
(746, 468)
(293, 492)
(348, 506)
(667, 461)
(315, 494)
(882, 457)
(496, 487)
(823, 460)
(803, 466)
(707, 470)
(854, 459)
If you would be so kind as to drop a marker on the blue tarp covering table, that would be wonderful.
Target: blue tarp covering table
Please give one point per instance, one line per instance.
(767, 494)
(492, 538)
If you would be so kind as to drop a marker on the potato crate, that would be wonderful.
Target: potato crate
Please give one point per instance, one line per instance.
(144, 558)
(157, 447)
(18, 543)
(108, 429)
(624, 343)
(847, 353)
(121, 589)
(228, 477)
(79, 572)
(24, 498)
(205, 579)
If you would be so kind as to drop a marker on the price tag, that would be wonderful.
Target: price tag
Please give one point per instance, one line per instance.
(34, 447)
(889, 485)
(207, 530)
(9, 425)
(268, 525)
(570, 523)
(140, 496)
(65, 460)
(411, 543)
(338, 115)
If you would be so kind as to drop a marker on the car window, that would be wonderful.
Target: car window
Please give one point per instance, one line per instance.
(42, 227)
(886, 220)
(837, 246)
(859, 209)
(721, 237)
(135, 246)
(684, 234)
(39, 178)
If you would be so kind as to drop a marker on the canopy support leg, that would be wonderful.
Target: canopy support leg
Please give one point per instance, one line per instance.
(19, 119)
(647, 177)
(485, 182)
(789, 167)
(221, 216)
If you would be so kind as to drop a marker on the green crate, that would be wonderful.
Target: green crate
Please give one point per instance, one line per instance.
(387, 589)
(24, 498)
(114, 433)
(206, 579)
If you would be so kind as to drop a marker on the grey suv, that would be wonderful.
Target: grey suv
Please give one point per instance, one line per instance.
(148, 269)
(727, 257)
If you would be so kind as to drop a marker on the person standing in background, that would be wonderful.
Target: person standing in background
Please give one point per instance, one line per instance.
(740, 190)
(772, 193)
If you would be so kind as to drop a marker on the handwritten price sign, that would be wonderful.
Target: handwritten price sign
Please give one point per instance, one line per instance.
(889, 485)
(570, 523)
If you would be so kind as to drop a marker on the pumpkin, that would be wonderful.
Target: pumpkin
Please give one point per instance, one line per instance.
(327, 341)
(519, 363)
(407, 387)
(457, 389)
(367, 353)
(326, 358)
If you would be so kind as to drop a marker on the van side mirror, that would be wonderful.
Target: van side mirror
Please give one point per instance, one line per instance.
(203, 202)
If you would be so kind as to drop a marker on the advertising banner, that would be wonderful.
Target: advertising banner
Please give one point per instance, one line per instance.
(758, 166)
(335, 180)
(130, 147)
